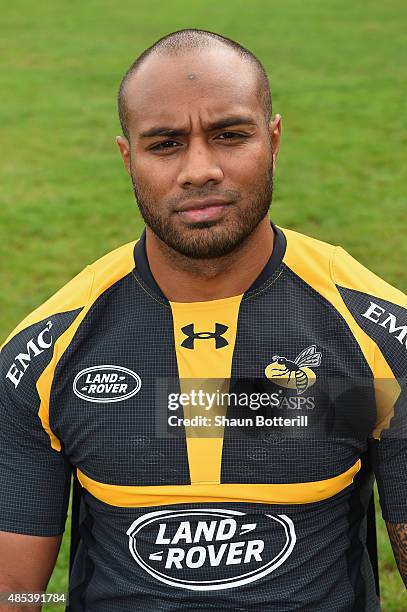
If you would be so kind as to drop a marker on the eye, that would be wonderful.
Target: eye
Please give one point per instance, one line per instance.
(231, 135)
(165, 145)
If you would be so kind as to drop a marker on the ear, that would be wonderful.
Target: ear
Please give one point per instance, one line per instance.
(275, 126)
(124, 148)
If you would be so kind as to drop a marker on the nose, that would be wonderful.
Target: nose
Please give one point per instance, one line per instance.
(199, 166)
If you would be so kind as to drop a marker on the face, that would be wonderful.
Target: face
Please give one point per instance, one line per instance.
(201, 154)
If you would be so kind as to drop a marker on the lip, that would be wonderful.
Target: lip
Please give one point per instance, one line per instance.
(207, 214)
(200, 204)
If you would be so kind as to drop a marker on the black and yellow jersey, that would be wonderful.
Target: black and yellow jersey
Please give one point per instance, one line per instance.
(226, 449)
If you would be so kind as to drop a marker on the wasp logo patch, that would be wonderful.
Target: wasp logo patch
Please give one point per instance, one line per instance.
(297, 374)
(217, 335)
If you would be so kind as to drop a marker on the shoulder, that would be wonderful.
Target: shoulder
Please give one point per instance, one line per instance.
(350, 275)
(303, 252)
(374, 310)
(31, 344)
(322, 263)
(80, 290)
(378, 307)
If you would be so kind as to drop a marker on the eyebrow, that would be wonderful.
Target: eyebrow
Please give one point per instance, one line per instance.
(217, 125)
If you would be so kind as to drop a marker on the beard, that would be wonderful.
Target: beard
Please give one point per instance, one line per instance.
(206, 239)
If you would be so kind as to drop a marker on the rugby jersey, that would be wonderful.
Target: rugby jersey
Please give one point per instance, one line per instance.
(226, 449)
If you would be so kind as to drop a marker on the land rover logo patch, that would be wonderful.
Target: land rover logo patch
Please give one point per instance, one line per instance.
(106, 383)
(210, 549)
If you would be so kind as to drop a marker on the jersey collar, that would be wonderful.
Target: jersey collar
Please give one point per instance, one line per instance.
(142, 267)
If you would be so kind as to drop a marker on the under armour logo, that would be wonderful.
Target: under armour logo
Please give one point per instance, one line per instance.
(189, 341)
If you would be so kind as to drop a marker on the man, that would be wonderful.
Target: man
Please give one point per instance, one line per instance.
(191, 502)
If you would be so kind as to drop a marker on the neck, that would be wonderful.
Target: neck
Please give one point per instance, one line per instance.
(182, 279)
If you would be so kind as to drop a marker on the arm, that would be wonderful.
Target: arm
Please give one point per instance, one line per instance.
(34, 481)
(398, 538)
(35, 474)
(26, 564)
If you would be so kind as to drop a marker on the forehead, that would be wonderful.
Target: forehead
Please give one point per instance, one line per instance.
(206, 83)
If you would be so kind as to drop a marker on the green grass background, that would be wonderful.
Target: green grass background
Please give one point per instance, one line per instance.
(337, 71)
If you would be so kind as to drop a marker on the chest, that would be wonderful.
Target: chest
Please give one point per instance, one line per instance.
(286, 398)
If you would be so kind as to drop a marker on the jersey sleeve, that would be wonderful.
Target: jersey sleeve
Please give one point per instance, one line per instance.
(381, 312)
(34, 477)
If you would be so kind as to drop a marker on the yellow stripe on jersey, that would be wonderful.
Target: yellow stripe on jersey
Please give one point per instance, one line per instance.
(313, 261)
(71, 296)
(293, 493)
(349, 273)
(207, 368)
(106, 271)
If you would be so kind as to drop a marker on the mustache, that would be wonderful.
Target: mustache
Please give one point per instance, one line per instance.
(232, 195)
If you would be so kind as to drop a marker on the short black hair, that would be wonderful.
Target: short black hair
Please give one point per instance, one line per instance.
(189, 40)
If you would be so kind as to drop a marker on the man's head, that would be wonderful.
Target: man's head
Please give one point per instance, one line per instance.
(198, 141)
